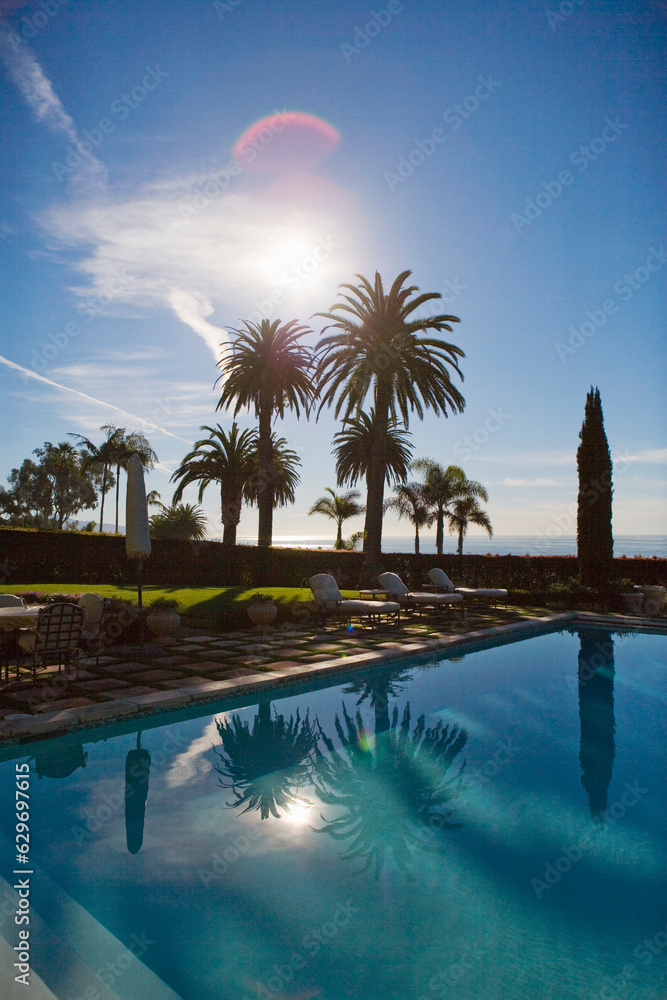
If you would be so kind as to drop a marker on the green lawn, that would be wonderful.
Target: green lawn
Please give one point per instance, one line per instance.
(205, 602)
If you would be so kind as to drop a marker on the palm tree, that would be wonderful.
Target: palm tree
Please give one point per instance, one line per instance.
(464, 512)
(268, 368)
(100, 456)
(443, 486)
(186, 521)
(285, 477)
(265, 766)
(339, 507)
(227, 459)
(411, 502)
(377, 351)
(353, 447)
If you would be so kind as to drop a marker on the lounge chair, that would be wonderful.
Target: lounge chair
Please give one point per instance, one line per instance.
(439, 579)
(11, 601)
(329, 598)
(396, 590)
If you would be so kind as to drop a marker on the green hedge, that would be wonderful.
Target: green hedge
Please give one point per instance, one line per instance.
(29, 556)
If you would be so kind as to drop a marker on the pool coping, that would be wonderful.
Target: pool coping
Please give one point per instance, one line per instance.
(26, 728)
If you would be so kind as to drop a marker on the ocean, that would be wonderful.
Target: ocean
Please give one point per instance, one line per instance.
(516, 545)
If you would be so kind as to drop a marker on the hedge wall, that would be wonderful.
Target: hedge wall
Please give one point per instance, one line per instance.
(28, 556)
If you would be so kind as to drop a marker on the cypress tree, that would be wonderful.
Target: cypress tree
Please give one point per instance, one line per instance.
(595, 544)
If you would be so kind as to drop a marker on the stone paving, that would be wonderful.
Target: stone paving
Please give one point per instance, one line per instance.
(197, 666)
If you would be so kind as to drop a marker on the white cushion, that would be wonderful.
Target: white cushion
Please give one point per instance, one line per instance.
(439, 578)
(325, 588)
(392, 584)
(423, 597)
(370, 607)
(93, 607)
(480, 592)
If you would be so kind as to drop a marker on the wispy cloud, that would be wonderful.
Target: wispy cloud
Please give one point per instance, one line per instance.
(193, 311)
(47, 107)
(529, 482)
(26, 373)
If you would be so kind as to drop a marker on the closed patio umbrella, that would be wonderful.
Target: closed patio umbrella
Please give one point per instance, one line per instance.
(137, 528)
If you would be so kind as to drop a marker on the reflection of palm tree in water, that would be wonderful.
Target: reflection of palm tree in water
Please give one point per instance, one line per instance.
(137, 773)
(390, 786)
(269, 762)
(377, 689)
(596, 714)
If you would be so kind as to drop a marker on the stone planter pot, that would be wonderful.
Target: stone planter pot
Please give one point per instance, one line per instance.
(262, 614)
(162, 623)
(654, 600)
(632, 603)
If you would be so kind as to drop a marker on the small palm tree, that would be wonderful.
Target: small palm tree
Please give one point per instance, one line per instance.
(441, 487)
(267, 367)
(350, 544)
(179, 520)
(102, 457)
(378, 354)
(464, 512)
(227, 459)
(353, 447)
(410, 502)
(339, 507)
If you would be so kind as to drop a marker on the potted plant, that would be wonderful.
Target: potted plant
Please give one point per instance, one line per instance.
(654, 599)
(162, 618)
(630, 597)
(261, 610)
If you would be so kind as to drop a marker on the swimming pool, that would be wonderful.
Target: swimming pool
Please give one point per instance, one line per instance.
(484, 825)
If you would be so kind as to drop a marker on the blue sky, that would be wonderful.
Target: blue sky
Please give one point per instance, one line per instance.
(511, 156)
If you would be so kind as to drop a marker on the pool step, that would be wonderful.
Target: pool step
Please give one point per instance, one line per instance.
(72, 946)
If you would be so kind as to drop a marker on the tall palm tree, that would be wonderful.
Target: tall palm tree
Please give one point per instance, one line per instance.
(441, 487)
(378, 353)
(227, 459)
(409, 501)
(100, 457)
(339, 507)
(267, 367)
(464, 512)
(353, 447)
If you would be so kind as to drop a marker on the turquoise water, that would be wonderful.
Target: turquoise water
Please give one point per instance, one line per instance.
(485, 826)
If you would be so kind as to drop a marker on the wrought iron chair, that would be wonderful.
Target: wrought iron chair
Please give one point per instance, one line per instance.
(56, 639)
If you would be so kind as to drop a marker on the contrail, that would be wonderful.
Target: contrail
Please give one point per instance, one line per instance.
(91, 399)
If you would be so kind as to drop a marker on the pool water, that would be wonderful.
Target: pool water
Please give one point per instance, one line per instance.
(485, 825)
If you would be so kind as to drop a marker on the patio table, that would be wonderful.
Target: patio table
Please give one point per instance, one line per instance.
(11, 618)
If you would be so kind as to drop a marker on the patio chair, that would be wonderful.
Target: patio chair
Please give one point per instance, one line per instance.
(328, 598)
(92, 635)
(57, 637)
(439, 579)
(413, 599)
(11, 601)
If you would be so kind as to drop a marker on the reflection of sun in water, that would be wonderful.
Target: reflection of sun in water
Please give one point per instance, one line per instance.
(298, 815)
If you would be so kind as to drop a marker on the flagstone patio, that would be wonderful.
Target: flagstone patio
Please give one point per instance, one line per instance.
(197, 667)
